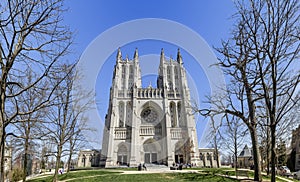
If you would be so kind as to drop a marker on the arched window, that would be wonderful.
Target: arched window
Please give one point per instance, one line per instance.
(179, 114)
(123, 76)
(169, 73)
(173, 114)
(128, 113)
(122, 155)
(121, 114)
(208, 156)
(201, 156)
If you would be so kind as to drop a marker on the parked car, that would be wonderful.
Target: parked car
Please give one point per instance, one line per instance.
(296, 175)
(270, 169)
(284, 171)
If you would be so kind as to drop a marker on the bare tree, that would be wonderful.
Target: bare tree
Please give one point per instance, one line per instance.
(239, 100)
(31, 38)
(234, 136)
(269, 32)
(283, 132)
(27, 127)
(215, 135)
(79, 122)
(67, 116)
(264, 46)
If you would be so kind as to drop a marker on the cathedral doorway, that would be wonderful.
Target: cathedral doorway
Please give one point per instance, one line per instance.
(151, 158)
(122, 155)
(151, 148)
(179, 158)
(180, 152)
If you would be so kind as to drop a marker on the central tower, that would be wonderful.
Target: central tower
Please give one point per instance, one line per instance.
(149, 125)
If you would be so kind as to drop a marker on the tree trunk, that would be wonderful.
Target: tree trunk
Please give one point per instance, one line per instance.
(217, 152)
(2, 125)
(268, 149)
(25, 160)
(57, 163)
(70, 155)
(273, 153)
(2, 146)
(256, 154)
(235, 156)
(26, 153)
(69, 161)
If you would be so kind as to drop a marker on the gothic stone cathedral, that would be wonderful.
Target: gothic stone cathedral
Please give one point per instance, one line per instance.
(149, 125)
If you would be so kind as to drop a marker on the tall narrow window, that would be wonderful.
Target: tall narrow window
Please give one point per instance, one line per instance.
(128, 112)
(179, 114)
(130, 80)
(169, 73)
(123, 76)
(121, 114)
(172, 114)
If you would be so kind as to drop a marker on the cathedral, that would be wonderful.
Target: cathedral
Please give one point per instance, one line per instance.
(149, 125)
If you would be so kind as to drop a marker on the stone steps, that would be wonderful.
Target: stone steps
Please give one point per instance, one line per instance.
(154, 167)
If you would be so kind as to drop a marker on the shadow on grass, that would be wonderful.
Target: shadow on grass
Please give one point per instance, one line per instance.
(74, 175)
(158, 177)
(203, 177)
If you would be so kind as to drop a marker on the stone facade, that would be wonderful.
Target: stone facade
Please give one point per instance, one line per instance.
(149, 125)
(295, 145)
(88, 158)
(245, 159)
(7, 159)
(208, 158)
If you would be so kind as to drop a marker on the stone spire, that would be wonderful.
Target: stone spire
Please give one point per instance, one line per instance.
(179, 58)
(136, 55)
(119, 55)
(162, 56)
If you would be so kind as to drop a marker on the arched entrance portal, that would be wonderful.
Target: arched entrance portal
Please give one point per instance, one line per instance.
(122, 155)
(151, 151)
(179, 152)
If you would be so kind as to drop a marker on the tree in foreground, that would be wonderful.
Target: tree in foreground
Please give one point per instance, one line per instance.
(261, 60)
(32, 38)
(66, 119)
(234, 136)
(26, 129)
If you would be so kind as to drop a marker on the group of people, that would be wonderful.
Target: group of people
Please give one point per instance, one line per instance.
(180, 165)
(140, 167)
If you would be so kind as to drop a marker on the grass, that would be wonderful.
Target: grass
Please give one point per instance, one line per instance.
(157, 177)
(206, 174)
(74, 175)
(231, 172)
(110, 175)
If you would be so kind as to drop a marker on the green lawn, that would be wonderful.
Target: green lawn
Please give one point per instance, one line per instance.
(106, 175)
(75, 174)
(157, 177)
(206, 174)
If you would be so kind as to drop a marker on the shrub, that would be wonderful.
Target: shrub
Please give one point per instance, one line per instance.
(17, 174)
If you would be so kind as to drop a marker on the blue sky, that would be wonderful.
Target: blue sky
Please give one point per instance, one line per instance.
(90, 18)
(211, 19)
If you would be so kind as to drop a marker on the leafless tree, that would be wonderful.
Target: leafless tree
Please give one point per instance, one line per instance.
(234, 136)
(215, 137)
(26, 128)
(31, 37)
(283, 132)
(260, 55)
(269, 30)
(240, 99)
(66, 115)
